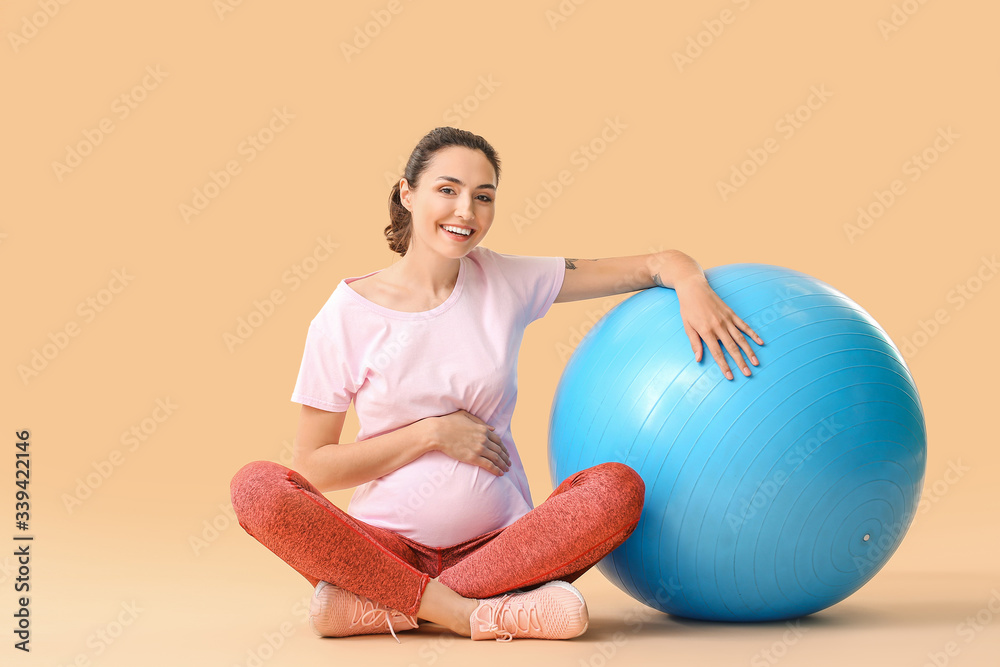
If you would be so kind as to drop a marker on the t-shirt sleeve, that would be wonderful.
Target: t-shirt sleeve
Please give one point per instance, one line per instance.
(536, 281)
(324, 379)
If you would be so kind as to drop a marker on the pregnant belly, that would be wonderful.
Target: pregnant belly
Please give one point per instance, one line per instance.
(438, 501)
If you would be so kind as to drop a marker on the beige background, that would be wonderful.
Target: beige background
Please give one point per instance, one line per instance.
(153, 546)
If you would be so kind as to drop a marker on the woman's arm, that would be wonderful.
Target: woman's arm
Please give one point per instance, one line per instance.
(329, 465)
(594, 278)
(703, 313)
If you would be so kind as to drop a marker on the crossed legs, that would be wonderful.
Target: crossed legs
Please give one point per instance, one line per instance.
(586, 516)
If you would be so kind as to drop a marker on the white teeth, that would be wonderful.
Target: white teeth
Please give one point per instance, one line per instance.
(458, 230)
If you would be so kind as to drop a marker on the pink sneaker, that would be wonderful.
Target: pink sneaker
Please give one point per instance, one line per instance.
(555, 610)
(335, 612)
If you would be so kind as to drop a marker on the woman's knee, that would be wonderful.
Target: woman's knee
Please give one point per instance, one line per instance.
(256, 474)
(626, 485)
(253, 483)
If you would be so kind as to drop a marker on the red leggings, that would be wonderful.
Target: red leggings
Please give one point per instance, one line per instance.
(587, 516)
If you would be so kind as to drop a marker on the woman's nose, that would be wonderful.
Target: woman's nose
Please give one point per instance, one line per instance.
(464, 210)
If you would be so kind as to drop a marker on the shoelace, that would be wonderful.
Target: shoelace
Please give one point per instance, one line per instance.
(514, 627)
(371, 614)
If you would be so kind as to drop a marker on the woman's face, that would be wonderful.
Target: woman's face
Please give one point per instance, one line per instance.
(457, 189)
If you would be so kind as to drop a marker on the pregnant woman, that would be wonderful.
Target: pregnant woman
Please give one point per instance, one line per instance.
(441, 526)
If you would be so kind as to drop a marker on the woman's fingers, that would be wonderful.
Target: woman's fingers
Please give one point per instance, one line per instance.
(493, 462)
(500, 447)
(736, 327)
(500, 456)
(695, 340)
(728, 333)
(706, 316)
(490, 454)
(744, 345)
(746, 327)
(734, 352)
(735, 341)
(720, 358)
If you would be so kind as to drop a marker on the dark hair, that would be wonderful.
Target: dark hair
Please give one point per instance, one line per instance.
(397, 232)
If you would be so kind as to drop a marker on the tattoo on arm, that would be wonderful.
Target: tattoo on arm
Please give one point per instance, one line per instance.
(570, 260)
(658, 280)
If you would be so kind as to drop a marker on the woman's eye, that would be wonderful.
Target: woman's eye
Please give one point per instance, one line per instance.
(484, 198)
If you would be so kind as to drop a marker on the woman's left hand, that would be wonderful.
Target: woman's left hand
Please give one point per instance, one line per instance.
(706, 316)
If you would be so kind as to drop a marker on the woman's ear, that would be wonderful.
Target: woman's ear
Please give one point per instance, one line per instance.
(404, 194)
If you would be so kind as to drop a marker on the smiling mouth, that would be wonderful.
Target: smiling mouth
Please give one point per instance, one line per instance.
(457, 235)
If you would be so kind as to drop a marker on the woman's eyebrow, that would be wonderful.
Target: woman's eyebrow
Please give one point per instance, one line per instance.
(488, 186)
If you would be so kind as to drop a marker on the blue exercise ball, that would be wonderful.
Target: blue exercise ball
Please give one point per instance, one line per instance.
(768, 497)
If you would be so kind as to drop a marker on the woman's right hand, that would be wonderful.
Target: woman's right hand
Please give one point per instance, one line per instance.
(467, 438)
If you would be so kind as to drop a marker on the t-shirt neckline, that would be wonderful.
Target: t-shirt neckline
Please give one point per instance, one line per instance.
(456, 292)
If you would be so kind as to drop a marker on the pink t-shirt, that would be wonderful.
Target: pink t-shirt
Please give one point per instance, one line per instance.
(401, 367)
